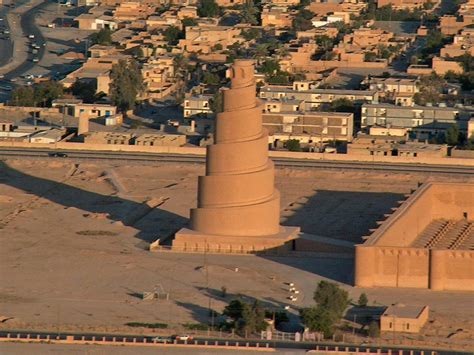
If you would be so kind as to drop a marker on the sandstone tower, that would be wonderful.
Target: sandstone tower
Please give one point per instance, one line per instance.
(238, 207)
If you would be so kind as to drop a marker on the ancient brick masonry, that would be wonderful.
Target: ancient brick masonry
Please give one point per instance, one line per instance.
(238, 207)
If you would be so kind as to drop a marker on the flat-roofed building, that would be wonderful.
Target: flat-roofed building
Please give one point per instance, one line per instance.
(309, 127)
(77, 108)
(425, 121)
(198, 105)
(108, 138)
(313, 98)
(149, 139)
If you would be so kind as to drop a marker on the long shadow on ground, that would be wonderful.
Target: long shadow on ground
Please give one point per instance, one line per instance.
(117, 209)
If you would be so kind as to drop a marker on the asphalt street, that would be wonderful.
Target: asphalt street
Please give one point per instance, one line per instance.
(130, 339)
(6, 45)
(29, 27)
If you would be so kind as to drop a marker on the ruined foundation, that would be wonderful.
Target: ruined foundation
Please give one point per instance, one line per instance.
(238, 207)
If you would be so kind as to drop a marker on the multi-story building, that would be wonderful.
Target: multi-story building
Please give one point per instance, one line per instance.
(204, 38)
(424, 121)
(402, 4)
(77, 108)
(313, 98)
(198, 105)
(278, 16)
(308, 127)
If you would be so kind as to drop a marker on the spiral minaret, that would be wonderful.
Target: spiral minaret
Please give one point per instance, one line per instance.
(238, 206)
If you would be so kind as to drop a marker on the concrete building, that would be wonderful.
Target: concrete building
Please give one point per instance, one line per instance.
(308, 127)
(198, 105)
(402, 4)
(96, 70)
(238, 209)
(277, 16)
(313, 98)
(170, 140)
(404, 318)
(397, 146)
(108, 138)
(77, 108)
(428, 242)
(204, 38)
(424, 121)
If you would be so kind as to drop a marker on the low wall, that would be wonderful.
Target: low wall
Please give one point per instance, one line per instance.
(465, 154)
(273, 154)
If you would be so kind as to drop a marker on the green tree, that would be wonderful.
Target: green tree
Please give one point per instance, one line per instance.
(342, 105)
(208, 8)
(363, 300)
(374, 330)
(325, 42)
(370, 57)
(211, 79)
(103, 37)
(172, 34)
(318, 319)
(431, 87)
(251, 33)
(334, 299)
(23, 96)
(249, 13)
(270, 67)
(293, 145)
(302, 21)
(127, 83)
(452, 135)
(217, 102)
(47, 91)
(188, 22)
(85, 90)
(234, 309)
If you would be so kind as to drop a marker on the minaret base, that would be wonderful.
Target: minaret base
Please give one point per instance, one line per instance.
(187, 240)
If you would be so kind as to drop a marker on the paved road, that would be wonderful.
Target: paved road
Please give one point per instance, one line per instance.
(6, 45)
(130, 339)
(200, 159)
(29, 27)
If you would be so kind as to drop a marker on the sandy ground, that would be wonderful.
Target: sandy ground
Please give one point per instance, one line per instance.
(73, 240)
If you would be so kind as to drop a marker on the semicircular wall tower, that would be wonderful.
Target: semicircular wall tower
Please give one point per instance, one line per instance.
(238, 207)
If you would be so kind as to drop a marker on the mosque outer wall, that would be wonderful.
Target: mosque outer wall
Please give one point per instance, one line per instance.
(386, 260)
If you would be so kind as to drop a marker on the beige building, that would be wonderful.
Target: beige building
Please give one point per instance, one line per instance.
(204, 38)
(170, 140)
(397, 146)
(108, 138)
(308, 127)
(313, 98)
(402, 4)
(198, 105)
(404, 318)
(77, 108)
(96, 70)
(424, 121)
(277, 16)
(323, 7)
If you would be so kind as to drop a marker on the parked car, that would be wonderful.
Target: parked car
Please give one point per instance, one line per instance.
(183, 337)
(160, 339)
(57, 155)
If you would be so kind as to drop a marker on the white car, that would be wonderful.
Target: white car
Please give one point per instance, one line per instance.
(31, 36)
(184, 337)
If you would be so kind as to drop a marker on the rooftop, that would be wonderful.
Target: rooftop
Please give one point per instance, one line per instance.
(403, 311)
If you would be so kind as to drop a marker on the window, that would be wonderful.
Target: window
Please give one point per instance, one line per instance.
(408, 326)
(390, 325)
